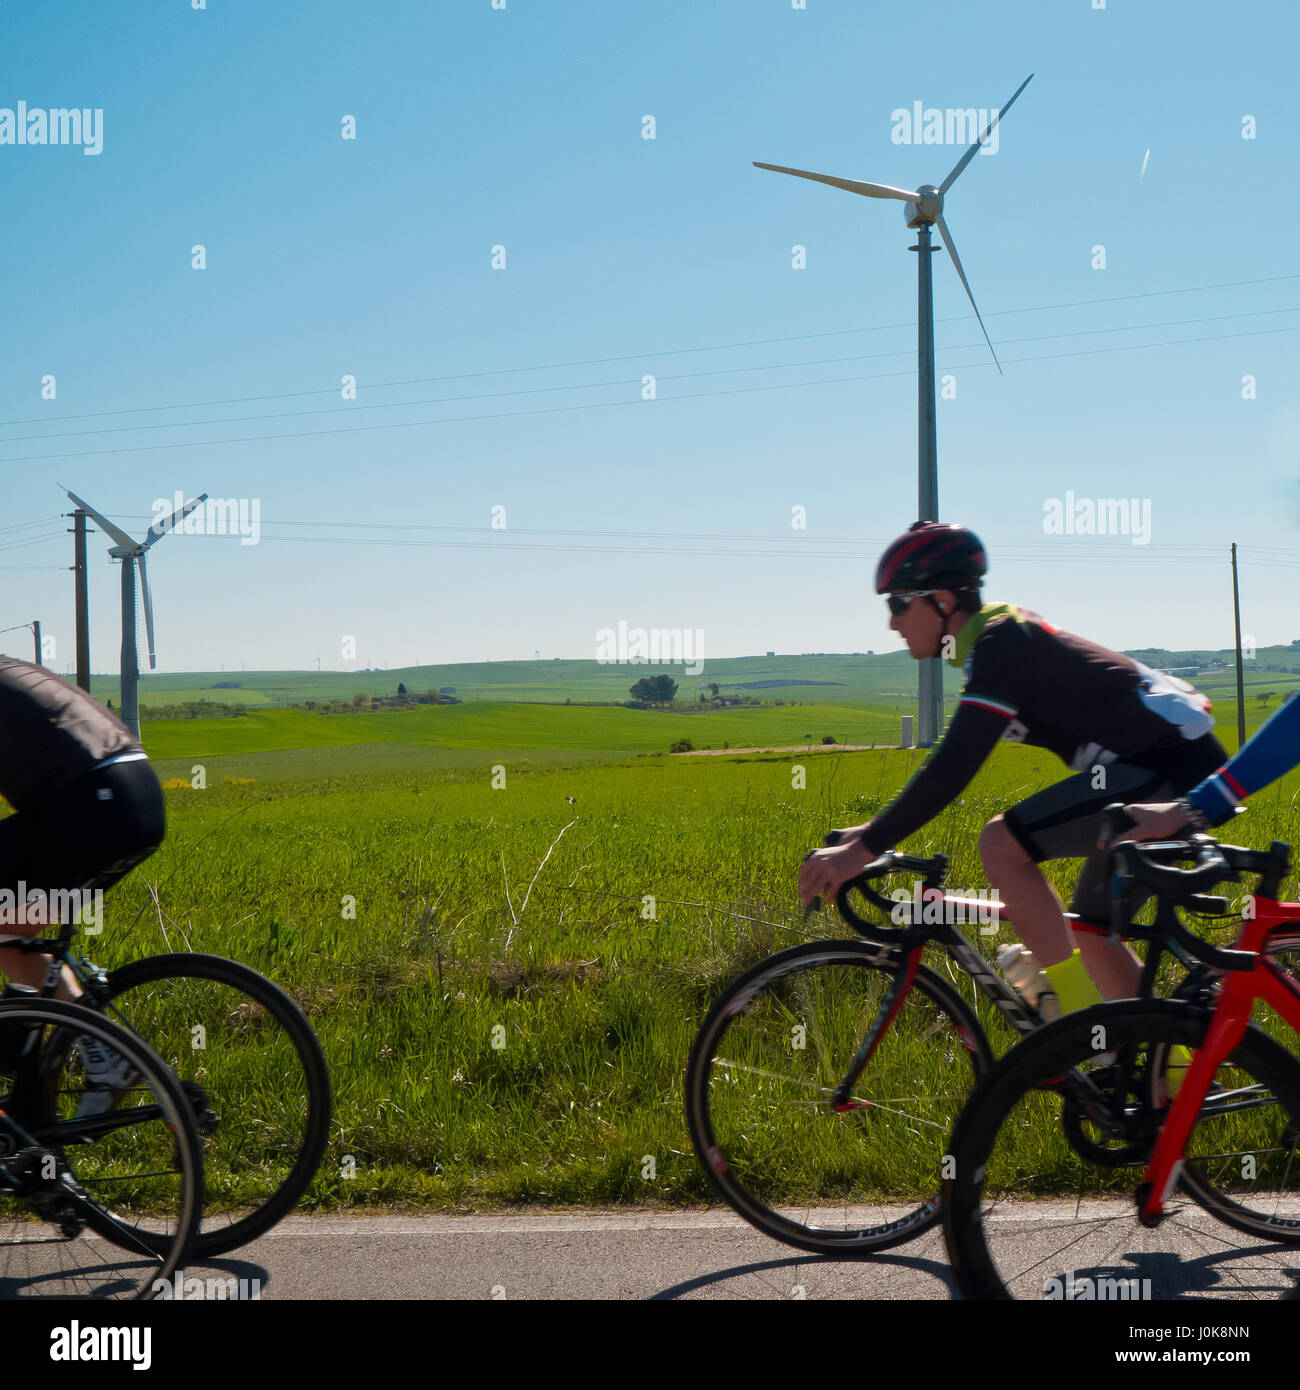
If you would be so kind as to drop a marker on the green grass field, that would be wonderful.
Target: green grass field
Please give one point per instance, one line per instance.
(501, 1025)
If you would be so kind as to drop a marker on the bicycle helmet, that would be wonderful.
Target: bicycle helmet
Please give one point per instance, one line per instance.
(932, 555)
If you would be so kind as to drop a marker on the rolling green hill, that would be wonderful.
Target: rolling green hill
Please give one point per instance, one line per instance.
(887, 680)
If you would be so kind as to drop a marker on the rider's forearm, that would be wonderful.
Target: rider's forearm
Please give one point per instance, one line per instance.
(1272, 751)
(943, 777)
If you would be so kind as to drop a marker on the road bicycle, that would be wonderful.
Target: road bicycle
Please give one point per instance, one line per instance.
(826, 1079)
(250, 1065)
(91, 1206)
(1042, 1223)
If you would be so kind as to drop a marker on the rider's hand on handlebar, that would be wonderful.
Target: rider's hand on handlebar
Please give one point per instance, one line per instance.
(1165, 820)
(824, 870)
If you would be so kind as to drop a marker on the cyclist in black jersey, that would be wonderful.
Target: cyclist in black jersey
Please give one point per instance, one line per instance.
(87, 809)
(1124, 729)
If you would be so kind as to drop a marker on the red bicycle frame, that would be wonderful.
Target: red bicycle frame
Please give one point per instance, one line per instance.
(1237, 995)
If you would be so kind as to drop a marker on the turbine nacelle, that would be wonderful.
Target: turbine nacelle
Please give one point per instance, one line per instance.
(927, 209)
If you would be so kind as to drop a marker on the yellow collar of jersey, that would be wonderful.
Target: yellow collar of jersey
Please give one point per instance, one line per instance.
(975, 625)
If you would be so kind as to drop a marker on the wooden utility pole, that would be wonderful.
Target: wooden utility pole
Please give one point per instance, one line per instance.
(1241, 685)
(36, 633)
(83, 620)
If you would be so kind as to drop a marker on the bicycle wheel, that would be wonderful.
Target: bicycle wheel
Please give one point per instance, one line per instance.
(1026, 1217)
(256, 1077)
(104, 1206)
(760, 1086)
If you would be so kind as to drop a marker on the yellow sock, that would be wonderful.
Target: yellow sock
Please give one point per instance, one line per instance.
(1176, 1069)
(1072, 983)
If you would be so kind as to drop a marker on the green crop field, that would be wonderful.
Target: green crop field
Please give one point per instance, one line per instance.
(507, 1017)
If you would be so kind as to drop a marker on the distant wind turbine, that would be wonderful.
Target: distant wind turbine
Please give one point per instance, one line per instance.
(132, 553)
(923, 210)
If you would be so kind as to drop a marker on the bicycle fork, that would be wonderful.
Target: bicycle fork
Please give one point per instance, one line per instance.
(904, 976)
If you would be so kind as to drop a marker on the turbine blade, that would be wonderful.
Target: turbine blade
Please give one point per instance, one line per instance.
(102, 521)
(148, 611)
(870, 190)
(970, 153)
(956, 260)
(160, 528)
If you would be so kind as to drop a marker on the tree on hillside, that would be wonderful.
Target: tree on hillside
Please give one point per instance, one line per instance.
(1266, 696)
(401, 689)
(655, 690)
(713, 690)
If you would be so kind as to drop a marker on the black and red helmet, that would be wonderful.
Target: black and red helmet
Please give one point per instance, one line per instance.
(932, 555)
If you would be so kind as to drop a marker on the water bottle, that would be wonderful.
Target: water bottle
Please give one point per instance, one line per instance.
(1022, 972)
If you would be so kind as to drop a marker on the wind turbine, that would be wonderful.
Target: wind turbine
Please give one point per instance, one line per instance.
(924, 209)
(132, 553)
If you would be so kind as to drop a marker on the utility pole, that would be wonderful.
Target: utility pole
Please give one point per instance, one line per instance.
(929, 694)
(83, 619)
(36, 632)
(1241, 685)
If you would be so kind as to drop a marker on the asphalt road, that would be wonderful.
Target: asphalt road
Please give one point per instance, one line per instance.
(658, 1255)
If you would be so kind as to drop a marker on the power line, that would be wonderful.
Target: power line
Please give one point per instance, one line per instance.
(598, 385)
(608, 405)
(640, 356)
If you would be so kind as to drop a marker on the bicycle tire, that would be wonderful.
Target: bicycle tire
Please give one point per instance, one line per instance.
(1013, 1099)
(36, 1107)
(746, 1181)
(217, 1234)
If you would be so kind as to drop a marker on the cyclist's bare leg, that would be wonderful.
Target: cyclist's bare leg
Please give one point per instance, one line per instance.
(24, 969)
(1112, 963)
(1039, 918)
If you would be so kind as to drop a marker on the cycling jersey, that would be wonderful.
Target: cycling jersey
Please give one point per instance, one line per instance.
(51, 733)
(1272, 750)
(1029, 682)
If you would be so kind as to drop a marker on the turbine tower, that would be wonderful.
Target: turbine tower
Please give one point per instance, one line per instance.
(923, 210)
(132, 553)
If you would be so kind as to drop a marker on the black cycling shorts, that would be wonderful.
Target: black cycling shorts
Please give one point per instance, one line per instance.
(1065, 821)
(85, 834)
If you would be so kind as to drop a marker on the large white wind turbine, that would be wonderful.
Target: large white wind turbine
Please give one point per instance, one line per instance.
(132, 553)
(923, 210)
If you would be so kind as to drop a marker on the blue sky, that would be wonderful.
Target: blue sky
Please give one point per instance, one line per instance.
(522, 127)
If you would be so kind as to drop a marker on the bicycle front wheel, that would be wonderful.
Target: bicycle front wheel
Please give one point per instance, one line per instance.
(96, 1201)
(760, 1088)
(256, 1077)
(1027, 1216)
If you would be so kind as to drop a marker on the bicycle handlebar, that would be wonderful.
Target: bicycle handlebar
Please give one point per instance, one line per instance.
(932, 871)
(1153, 864)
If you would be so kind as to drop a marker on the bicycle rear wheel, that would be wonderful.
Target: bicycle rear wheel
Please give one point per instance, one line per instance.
(1026, 1217)
(103, 1206)
(760, 1086)
(256, 1076)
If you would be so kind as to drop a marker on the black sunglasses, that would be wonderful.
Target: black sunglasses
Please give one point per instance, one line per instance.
(899, 603)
